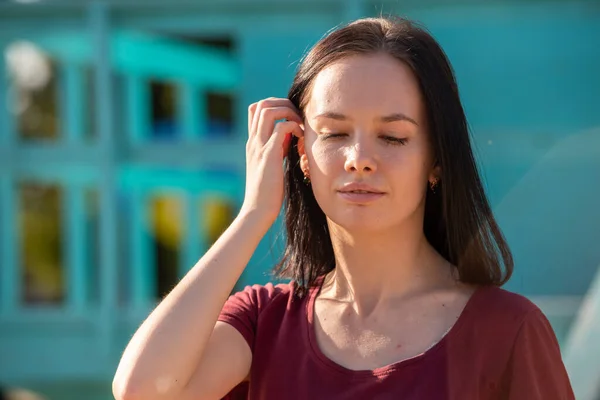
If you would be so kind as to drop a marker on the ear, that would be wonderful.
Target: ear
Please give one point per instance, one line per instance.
(436, 173)
(303, 156)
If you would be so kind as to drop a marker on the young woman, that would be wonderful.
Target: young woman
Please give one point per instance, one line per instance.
(394, 254)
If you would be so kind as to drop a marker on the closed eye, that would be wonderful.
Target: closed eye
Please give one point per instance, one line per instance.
(395, 140)
(333, 135)
(388, 139)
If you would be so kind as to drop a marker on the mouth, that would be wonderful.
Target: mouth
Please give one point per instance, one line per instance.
(360, 196)
(360, 191)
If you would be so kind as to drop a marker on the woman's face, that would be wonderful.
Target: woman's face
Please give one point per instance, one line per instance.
(366, 147)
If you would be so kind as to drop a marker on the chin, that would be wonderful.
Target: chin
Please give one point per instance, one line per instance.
(361, 220)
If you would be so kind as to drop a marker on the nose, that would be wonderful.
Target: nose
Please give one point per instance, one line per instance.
(360, 159)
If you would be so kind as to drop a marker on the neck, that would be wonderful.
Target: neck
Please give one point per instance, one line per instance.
(372, 269)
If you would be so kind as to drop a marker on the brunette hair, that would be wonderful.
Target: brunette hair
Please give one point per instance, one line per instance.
(458, 220)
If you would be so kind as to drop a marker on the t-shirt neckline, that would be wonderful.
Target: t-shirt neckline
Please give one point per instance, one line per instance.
(317, 354)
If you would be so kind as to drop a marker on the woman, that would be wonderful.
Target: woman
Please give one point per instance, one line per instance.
(394, 255)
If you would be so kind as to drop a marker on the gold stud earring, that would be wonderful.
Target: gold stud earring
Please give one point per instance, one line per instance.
(433, 185)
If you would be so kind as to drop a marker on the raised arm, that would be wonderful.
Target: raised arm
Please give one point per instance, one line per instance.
(180, 351)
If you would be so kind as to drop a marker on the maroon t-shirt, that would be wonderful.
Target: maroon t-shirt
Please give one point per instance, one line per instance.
(501, 347)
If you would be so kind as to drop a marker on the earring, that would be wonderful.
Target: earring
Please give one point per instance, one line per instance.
(306, 180)
(433, 185)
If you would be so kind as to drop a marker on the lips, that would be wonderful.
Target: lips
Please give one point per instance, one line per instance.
(360, 193)
(361, 188)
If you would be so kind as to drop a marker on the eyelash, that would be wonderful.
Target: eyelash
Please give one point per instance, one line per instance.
(388, 139)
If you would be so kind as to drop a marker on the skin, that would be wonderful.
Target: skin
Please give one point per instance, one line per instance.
(387, 275)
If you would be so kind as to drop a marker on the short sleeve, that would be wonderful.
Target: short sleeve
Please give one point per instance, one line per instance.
(242, 309)
(536, 370)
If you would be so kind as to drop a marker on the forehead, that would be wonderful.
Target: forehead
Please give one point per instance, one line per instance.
(365, 84)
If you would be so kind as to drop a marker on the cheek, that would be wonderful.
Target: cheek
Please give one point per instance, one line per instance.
(411, 159)
(324, 158)
(409, 177)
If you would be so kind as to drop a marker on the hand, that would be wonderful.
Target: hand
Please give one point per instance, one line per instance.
(267, 145)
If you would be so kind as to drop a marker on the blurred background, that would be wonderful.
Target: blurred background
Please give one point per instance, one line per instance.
(122, 138)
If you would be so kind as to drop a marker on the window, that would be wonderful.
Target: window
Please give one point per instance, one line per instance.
(34, 91)
(166, 216)
(40, 226)
(164, 103)
(220, 114)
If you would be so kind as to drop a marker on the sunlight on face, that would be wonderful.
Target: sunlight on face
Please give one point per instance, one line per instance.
(366, 125)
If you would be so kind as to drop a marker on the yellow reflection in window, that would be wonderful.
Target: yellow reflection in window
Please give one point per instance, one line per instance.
(167, 230)
(217, 213)
(40, 220)
(166, 215)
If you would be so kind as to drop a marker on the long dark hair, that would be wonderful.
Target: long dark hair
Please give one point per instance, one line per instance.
(458, 221)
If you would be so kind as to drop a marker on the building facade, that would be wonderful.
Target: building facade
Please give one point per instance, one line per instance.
(122, 138)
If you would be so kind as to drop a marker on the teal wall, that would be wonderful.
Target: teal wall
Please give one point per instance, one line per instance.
(529, 79)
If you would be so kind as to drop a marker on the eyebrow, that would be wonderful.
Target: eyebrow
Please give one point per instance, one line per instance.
(385, 119)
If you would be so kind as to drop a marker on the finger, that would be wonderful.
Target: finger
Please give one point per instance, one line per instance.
(266, 103)
(271, 102)
(282, 135)
(268, 116)
(251, 112)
